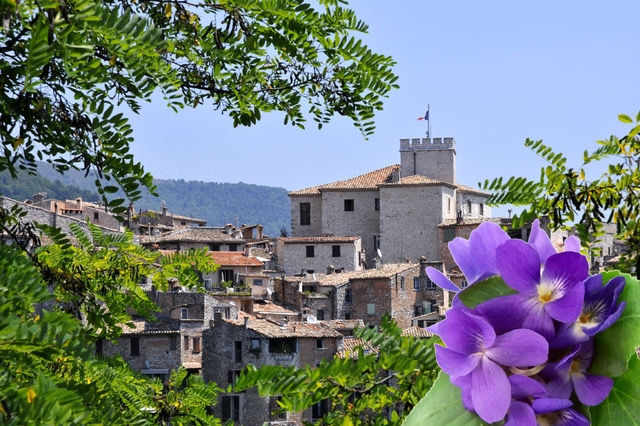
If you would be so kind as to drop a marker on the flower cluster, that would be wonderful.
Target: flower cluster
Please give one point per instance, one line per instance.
(524, 357)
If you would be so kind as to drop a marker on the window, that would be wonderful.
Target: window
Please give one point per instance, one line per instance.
(469, 206)
(348, 296)
(276, 411)
(96, 217)
(335, 251)
(347, 316)
(214, 247)
(448, 234)
(319, 344)
(376, 204)
(173, 343)
(371, 308)
(254, 346)
(196, 344)
(184, 313)
(320, 409)
(311, 251)
(237, 351)
(226, 275)
(376, 242)
(230, 408)
(416, 311)
(185, 343)
(257, 281)
(233, 247)
(208, 283)
(481, 209)
(183, 223)
(449, 204)
(232, 375)
(401, 283)
(416, 283)
(348, 205)
(282, 345)
(135, 346)
(430, 284)
(320, 314)
(464, 284)
(305, 213)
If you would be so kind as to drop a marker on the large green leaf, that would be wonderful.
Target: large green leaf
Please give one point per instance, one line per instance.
(480, 292)
(442, 405)
(622, 406)
(615, 345)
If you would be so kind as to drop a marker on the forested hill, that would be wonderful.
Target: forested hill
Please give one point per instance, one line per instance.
(28, 185)
(217, 203)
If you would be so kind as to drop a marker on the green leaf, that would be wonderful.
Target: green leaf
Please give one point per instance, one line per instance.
(615, 345)
(625, 118)
(442, 405)
(622, 406)
(480, 292)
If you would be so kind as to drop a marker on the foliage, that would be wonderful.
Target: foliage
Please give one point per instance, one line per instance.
(363, 388)
(567, 194)
(54, 305)
(68, 69)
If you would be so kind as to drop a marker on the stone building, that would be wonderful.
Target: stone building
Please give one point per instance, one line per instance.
(230, 345)
(396, 210)
(400, 289)
(318, 254)
(97, 214)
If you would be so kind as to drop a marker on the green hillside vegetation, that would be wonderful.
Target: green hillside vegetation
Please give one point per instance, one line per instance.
(217, 203)
(27, 185)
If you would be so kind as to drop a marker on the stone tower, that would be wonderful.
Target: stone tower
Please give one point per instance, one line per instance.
(430, 157)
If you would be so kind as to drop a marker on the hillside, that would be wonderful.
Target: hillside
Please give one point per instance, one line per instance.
(217, 203)
(28, 185)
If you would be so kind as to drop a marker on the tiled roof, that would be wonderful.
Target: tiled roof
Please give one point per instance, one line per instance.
(345, 324)
(417, 332)
(273, 329)
(325, 240)
(350, 348)
(416, 180)
(161, 326)
(468, 222)
(369, 180)
(387, 270)
(468, 189)
(268, 307)
(177, 216)
(233, 258)
(204, 234)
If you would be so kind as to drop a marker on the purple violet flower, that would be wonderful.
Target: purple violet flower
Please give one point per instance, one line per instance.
(599, 312)
(556, 293)
(473, 349)
(556, 412)
(570, 374)
(520, 411)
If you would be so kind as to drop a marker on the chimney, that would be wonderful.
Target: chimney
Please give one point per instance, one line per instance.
(164, 211)
(247, 250)
(330, 269)
(217, 318)
(246, 322)
(423, 266)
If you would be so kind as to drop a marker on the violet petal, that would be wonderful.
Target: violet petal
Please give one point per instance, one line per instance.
(572, 244)
(568, 307)
(490, 391)
(540, 241)
(523, 387)
(519, 348)
(538, 320)
(476, 256)
(441, 280)
(455, 363)
(591, 389)
(504, 313)
(519, 265)
(520, 414)
(592, 284)
(465, 332)
(549, 405)
(571, 417)
(560, 388)
(609, 321)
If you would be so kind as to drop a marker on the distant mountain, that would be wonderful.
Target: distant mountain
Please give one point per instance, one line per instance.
(27, 185)
(217, 203)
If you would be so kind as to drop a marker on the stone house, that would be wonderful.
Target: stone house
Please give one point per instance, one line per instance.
(213, 238)
(319, 254)
(235, 268)
(230, 345)
(400, 289)
(395, 210)
(97, 214)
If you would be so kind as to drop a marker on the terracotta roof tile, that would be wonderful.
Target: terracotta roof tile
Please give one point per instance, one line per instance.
(387, 270)
(468, 189)
(345, 324)
(417, 332)
(350, 348)
(273, 329)
(369, 180)
(233, 258)
(416, 180)
(268, 307)
(203, 234)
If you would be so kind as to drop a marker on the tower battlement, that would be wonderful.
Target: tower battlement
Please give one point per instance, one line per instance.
(418, 144)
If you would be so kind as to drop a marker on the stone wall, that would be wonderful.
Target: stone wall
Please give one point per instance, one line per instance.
(409, 219)
(434, 158)
(363, 221)
(293, 256)
(315, 228)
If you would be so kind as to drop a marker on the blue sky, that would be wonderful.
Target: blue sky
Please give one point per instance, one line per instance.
(494, 73)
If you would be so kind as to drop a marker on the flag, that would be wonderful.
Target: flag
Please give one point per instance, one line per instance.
(426, 116)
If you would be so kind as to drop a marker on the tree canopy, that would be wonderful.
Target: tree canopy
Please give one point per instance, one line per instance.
(70, 71)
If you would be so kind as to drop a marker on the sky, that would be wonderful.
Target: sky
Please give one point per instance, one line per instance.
(494, 74)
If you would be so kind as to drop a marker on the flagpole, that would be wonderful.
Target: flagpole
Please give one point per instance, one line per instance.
(428, 121)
